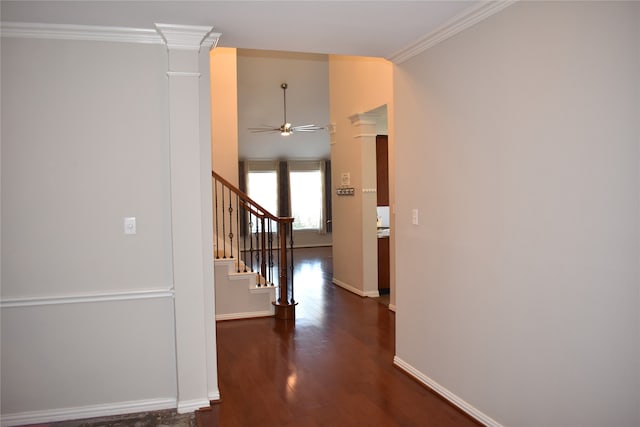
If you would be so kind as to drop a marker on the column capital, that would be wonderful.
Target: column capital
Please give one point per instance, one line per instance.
(187, 37)
(363, 119)
(364, 125)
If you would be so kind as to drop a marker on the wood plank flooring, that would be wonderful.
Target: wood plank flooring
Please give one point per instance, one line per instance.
(332, 366)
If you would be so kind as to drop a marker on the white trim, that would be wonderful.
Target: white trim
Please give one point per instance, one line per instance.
(392, 307)
(79, 32)
(186, 406)
(264, 289)
(348, 287)
(213, 395)
(365, 135)
(455, 25)
(362, 119)
(85, 298)
(92, 411)
(451, 397)
(211, 41)
(361, 293)
(245, 315)
(187, 37)
(182, 74)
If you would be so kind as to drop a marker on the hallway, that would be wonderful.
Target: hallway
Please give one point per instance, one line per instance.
(333, 367)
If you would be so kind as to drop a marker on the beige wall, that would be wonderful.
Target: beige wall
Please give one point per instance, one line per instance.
(357, 85)
(224, 113)
(518, 141)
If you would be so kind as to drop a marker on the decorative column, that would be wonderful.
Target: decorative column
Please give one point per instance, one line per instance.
(364, 133)
(191, 261)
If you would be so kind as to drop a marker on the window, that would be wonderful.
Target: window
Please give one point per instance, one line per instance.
(262, 187)
(306, 184)
(294, 188)
(306, 199)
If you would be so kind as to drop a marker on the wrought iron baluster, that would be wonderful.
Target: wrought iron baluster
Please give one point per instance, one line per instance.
(263, 247)
(224, 233)
(243, 230)
(216, 214)
(251, 233)
(238, 231)
(230, 225)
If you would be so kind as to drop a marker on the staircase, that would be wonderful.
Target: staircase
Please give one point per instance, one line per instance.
(253, 260)
(238, 295)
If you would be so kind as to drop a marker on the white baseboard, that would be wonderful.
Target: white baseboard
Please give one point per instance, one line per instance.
(392, 307)
(348, 287)
(457, 401)
(103, 410)
(247, 315)
(214, 395)
(186, 406)
(370, 294)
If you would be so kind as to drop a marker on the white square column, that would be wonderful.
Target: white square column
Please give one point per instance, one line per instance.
(192, 257)
(364, 133)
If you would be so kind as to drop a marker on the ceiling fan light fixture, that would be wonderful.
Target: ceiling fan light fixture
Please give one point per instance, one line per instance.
(286, 128)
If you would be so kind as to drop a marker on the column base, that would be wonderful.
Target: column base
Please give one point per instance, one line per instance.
(284, 311)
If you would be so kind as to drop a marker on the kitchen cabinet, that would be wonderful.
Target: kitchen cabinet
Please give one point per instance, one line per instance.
(382, 169)
(384, 275)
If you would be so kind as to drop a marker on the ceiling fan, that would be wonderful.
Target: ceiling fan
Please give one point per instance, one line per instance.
(286, 128)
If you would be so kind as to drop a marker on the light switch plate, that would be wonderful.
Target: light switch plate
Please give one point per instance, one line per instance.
(130, 225)
(414, 217)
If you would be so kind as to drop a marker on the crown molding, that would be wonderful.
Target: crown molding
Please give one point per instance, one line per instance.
(187, 37)
(458, 23)
(79, 32)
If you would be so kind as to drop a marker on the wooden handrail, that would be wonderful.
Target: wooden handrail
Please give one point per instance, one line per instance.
(245, 197)
(228, 200)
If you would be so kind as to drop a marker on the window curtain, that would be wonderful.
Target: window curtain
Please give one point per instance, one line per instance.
(327, 197)
(284, 196)
(242, 185)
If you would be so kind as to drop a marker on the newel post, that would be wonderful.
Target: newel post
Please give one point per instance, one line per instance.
(285, 305)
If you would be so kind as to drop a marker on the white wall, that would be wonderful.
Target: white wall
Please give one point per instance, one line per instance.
(518, 141)
(84, 144)
(260, 103)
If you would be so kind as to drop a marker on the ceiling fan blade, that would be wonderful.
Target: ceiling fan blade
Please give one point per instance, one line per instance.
(306, 128)
(286, 128)
(258, 130)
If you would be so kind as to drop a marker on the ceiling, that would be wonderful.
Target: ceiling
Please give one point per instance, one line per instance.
(365, 28)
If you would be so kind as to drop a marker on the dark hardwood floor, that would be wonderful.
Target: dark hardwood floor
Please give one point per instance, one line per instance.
(332, 366)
